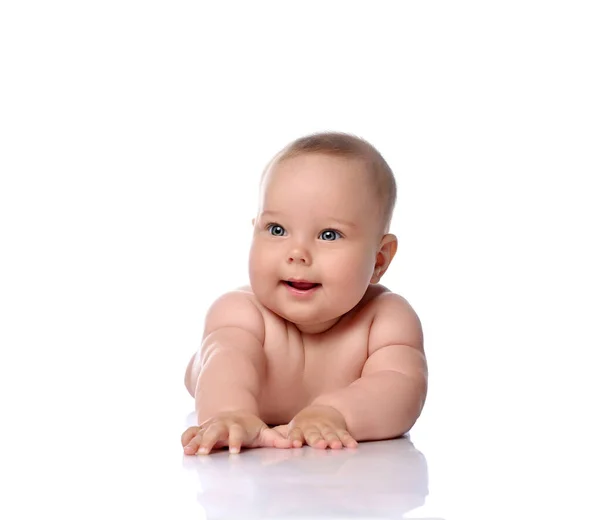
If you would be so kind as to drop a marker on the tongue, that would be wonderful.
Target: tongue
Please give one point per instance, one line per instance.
(303, 286)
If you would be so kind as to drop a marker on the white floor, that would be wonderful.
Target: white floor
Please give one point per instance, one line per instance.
(379, 480)
(115, 453)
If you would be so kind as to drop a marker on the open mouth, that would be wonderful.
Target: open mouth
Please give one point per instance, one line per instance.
(302, 286)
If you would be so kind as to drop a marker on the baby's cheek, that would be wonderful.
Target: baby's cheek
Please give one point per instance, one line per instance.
(352, 273)
(255, 272)
(256, 258)
(262, 268)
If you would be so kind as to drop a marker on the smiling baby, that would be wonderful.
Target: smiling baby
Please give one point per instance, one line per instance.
(314, 350)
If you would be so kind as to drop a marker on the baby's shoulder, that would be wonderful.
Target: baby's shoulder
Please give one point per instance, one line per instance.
(378, 299)
(394, 321)
(385, 300)
(238, 297)
(245, 291)
(237, 308)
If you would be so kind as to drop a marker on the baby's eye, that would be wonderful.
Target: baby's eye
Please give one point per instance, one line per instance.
(330, 235)
(276, 230)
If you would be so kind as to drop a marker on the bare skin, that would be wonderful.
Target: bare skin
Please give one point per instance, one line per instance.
(300, 368)
(282, 365)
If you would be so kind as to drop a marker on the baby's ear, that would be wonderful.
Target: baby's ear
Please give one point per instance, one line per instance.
(387, 251)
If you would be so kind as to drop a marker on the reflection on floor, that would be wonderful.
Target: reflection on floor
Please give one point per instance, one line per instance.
(378, 480)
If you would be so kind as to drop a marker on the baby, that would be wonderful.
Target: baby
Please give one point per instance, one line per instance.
(314, 351)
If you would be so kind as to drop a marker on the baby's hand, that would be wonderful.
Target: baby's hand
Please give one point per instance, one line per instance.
(320, 427)
(233, 429)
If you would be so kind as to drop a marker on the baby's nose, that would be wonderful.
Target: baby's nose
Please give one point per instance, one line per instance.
(299, 255)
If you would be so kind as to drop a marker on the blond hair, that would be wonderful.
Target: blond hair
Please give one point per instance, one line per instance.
(349, 146)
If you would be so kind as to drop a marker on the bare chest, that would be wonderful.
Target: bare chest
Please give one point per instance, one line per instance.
(302, 367)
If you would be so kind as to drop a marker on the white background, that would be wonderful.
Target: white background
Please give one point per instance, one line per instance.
(132, 138)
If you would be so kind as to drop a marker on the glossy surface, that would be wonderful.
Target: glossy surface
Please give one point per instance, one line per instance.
(378, 480)
(121, 456)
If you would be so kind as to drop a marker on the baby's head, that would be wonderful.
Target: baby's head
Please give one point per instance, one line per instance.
(326, 202)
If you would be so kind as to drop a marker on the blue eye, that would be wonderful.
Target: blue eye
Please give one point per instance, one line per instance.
(276, 230)
(330, 235)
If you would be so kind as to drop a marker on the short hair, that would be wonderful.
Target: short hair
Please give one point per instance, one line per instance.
(350, 146)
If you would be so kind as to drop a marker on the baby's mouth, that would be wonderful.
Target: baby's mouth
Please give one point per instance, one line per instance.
(302, 286)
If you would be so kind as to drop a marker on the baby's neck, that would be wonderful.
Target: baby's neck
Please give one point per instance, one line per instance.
(317, 328)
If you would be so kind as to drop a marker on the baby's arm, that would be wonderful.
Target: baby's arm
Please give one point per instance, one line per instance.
(227, 372)
(226, 377)
(389, 396)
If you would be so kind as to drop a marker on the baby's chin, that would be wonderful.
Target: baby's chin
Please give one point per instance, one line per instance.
(315, 327)
(308, 316)
(308, 322)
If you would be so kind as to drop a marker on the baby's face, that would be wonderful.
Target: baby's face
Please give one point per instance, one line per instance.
(318, 223)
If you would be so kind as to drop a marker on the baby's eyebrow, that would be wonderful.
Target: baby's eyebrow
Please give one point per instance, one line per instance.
(333, 220)
(343, 223)
(269, 212)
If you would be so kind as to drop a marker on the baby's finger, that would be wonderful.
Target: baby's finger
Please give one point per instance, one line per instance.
(282, 429)
(237, 435)
(270, 438)
(333, 441)
(188, 435)
(296, 437)
(213, 434)
(191, 448)
(314, 438)
(347, 439)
